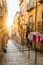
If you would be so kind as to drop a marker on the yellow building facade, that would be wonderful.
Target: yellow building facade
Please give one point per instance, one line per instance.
(35, 9)
(16, 21)
(35, 17)
(23, 19)
(3, 15)
(32, 15)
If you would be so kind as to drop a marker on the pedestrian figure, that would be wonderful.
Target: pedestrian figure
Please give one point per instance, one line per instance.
(29, 42)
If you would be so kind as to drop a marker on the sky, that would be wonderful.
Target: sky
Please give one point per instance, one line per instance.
(13, 7)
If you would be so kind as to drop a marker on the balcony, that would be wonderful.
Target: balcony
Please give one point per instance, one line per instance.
(29, 7)
(40, 1)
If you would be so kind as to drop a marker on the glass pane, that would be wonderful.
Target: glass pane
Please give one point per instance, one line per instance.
(31, 2)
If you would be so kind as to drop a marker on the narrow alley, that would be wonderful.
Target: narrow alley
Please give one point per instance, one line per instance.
(21, 32)
(14, 56)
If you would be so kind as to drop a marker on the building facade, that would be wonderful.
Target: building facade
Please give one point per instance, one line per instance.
(35, 10)
(35, 17)
(23, 19)
(17, 26)
(32, 15)
(3, 15)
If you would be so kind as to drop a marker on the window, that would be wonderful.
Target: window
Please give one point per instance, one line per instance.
(30, 3)
(39, 26)
(30, 23)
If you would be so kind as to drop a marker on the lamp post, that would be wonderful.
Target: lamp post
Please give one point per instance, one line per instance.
(35, 31)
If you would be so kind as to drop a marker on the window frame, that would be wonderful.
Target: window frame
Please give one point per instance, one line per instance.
(30, 24)
(31, 3)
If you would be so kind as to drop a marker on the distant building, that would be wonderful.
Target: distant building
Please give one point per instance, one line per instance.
(17, 21)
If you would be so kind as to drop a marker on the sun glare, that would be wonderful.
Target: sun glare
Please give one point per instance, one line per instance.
(9, 23)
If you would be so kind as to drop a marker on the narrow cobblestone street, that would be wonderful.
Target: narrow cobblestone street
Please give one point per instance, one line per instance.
(14, 56)
(21, 32)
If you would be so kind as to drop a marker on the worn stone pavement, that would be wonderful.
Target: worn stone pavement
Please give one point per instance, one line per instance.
(14, 56)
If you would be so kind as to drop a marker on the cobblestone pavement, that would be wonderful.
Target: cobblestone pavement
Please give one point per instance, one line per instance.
(14, 56)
